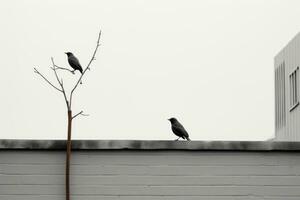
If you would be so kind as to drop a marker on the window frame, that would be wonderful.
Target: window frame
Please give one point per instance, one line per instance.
(294, 89)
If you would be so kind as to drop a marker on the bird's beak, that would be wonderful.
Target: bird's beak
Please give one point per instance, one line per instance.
(169, 119)
(65, 52)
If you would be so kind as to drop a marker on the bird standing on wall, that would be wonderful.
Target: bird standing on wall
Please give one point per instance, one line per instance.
(178, 129)
(74, 62)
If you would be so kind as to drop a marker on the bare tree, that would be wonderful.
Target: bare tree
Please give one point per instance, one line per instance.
(68, 99)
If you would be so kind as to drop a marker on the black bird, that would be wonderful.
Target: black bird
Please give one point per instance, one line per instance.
(74, 62)
(178, 129)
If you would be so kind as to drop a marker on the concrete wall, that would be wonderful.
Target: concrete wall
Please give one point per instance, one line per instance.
(287, 117)
(151, 174)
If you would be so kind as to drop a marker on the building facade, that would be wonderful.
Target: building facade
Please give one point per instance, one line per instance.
(287, 111)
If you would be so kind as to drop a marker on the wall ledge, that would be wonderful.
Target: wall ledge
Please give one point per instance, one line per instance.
(150, 145)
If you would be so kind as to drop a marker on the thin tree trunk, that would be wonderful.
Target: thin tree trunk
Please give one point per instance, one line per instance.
(69, 105)
(68, 155)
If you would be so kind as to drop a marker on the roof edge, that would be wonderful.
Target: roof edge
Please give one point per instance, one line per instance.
(286, 45)
(150, 145)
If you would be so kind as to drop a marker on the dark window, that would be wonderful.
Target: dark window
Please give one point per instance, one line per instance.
(294, 96)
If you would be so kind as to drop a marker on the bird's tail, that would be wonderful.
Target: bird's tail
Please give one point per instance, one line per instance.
(188, 139)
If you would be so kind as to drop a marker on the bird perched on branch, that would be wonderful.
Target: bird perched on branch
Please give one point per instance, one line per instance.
(178, 129)
(74, 62)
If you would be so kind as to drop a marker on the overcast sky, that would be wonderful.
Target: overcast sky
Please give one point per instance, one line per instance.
(208, 63)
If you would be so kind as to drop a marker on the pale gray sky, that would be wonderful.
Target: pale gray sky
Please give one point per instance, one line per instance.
(208, 63)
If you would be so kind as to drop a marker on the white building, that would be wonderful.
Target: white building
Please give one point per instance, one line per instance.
(287, 109)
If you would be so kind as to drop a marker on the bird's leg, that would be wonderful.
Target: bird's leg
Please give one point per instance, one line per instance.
(73, 72)
(177, 139)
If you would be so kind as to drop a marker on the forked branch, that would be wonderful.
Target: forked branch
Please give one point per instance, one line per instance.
(80, 113)
(87, 67)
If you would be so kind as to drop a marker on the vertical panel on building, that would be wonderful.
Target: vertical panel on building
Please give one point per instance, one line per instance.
(280, 107)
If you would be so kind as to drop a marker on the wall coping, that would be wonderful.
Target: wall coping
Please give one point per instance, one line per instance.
(150, 145)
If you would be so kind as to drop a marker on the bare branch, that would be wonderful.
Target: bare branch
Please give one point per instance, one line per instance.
(54, 70)
(61, 84)
(95, 51)
(36, 71)
(80, 113)
(62, 68)
(87, 67)
(65, 96)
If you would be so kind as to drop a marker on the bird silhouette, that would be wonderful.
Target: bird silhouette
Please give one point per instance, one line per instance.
(74, 62)
(178, 129)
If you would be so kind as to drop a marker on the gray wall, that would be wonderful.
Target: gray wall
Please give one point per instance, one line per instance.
(287, 126)
(145, 175)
